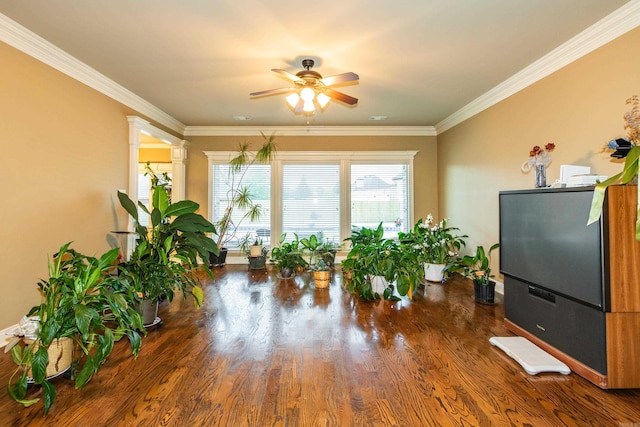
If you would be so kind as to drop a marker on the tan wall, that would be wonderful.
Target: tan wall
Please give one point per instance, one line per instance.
(579, 108)
(425, 167)
(64, 155)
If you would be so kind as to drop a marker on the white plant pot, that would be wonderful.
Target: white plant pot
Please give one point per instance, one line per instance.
(433, 272)
(255, 251)
(378, 284)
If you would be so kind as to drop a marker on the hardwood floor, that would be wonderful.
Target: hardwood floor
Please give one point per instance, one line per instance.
(264, 352)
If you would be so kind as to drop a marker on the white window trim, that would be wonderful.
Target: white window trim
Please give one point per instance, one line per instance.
(344, 158)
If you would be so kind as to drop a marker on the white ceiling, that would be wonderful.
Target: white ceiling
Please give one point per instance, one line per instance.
(419, 61)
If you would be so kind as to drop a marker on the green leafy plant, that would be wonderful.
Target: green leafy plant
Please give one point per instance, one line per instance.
(476, 267)
(240, 204)
(434, 243)
(321, 265)
(373, 255)
(625, 148)
(317, 248)
(288, 254)
(166, 254)
(83, 302)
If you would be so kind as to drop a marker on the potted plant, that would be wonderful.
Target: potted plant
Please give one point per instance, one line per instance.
(478, 269)
(321, 274)
(628, 149)
(435, 245)
(83, 304)
(375, 263)
(288, 256)
(317, 248)
(255, 251)
(165, 257)
(240, 204)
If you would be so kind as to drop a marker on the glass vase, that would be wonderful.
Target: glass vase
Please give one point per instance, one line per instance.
(541, 176)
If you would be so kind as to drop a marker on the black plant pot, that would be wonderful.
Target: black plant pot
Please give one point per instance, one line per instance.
(257, 263)
(485, 294)
(218, 260)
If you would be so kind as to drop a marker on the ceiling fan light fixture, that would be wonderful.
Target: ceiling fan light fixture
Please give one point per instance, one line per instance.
(293, 99)
(323, 100)
(311, 90)
(309, 107)
(307, 94)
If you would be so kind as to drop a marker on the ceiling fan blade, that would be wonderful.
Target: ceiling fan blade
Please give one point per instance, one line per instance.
(339, 96)
(288, 75)
(272, 91)
(339, 78)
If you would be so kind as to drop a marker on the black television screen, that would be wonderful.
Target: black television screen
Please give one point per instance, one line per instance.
(544, 240)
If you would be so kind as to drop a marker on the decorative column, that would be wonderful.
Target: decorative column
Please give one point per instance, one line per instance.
(136, 125)
(178, 176)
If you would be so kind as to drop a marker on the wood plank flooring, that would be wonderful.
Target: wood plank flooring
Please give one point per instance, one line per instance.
(268, 352)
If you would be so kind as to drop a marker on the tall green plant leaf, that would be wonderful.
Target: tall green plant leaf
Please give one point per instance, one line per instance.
(83, 317)
(198, 295)
(156, 217)
(48, 395)
(39, 364)
(18, 391)
(128, 205)
(160, 200)
(192, 222)
(181, 207)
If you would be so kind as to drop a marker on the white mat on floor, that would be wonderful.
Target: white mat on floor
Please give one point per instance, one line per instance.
(532, 358)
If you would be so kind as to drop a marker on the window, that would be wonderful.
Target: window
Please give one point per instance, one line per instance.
(322, 191)
(257, 179)
(379, 193)
(311, 200)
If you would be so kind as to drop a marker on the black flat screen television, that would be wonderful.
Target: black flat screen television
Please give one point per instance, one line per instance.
(544, 241)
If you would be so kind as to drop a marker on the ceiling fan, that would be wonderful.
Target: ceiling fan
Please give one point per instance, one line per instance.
(311, 88)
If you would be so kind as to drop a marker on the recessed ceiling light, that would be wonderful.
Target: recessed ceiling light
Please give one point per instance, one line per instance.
(377, 118)
(241, 118)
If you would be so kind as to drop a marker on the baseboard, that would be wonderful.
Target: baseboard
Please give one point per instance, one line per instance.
(6, 335)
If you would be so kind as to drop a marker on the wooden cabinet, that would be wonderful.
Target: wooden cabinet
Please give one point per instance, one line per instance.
(598, 338)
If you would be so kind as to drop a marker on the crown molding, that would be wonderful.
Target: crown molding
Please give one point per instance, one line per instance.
(602, 32)
(33, 45)
(310, 130)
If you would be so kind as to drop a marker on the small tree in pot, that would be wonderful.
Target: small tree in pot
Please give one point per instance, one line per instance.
(240, 205)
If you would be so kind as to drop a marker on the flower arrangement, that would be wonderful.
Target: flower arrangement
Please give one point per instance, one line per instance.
(539, 156)
(436, 243)
(629, 149)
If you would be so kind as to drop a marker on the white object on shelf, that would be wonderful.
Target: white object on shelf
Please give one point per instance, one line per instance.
(567, 171)
(585, 180)
(531, 357)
